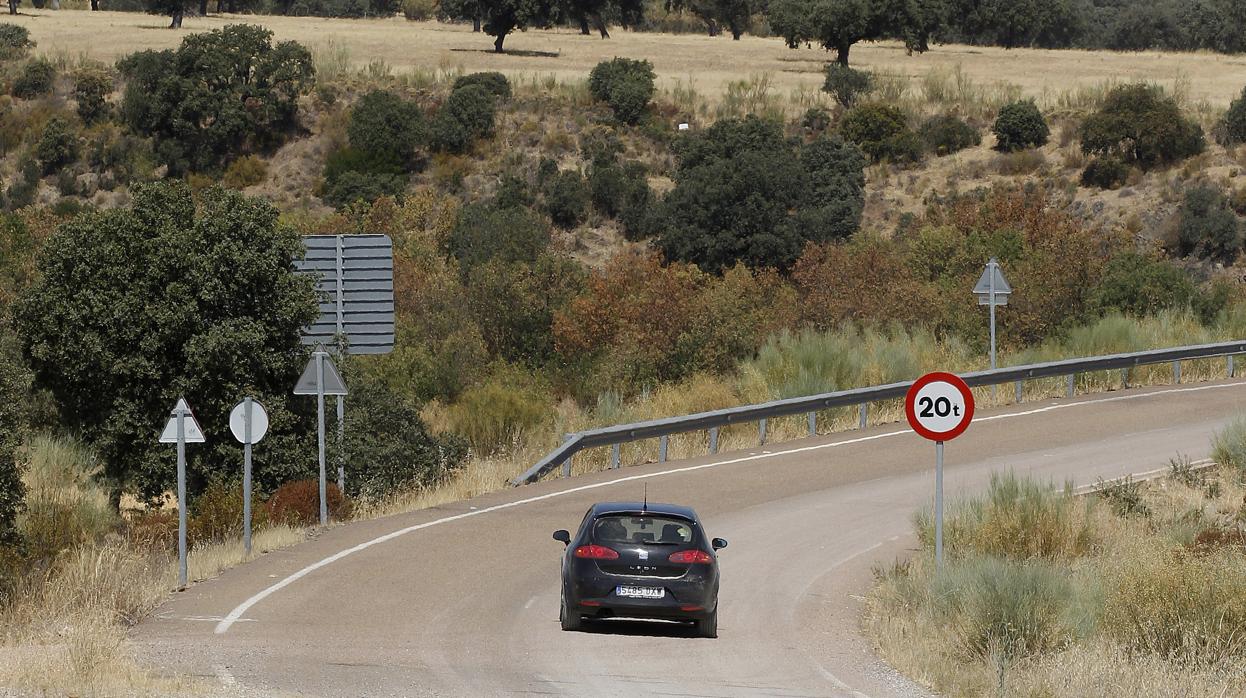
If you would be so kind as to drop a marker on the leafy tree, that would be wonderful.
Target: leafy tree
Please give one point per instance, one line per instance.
(847, 85)
(1142, 127)
(1232, 127)
(1136, 284)
(220, 94)
(839, 24)
(468, 113)
(733, 14)
(743, 193)
(1208, 227)
(387, 127)
(57, 146)
(1020, 125)
(175, 10)
(501, 18)
(92, 86)
(626, 85)
(140, 306)
(882, 132)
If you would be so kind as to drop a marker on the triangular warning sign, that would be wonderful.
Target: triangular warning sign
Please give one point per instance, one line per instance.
(192, 433)
(984, 281)
(333, 384)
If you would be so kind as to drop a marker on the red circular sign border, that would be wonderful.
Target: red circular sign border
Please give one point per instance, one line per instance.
(910, 409)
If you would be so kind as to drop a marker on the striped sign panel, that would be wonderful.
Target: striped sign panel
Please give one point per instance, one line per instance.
(356, 283)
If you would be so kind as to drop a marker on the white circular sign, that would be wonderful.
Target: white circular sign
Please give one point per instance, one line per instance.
(259, 422)
(939, 406)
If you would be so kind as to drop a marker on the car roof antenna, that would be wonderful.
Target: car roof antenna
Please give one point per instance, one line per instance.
(645, 506)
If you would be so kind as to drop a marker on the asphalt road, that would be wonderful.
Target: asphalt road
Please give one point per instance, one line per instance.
(469, 606)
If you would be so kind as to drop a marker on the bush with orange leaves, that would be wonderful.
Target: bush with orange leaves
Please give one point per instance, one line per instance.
(639, 322)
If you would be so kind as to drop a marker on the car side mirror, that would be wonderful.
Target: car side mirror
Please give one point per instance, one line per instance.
(562, 536)
(719, 543)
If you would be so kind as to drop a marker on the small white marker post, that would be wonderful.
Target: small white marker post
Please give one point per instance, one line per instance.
(939, 407)
(249, 423)
(181, 429)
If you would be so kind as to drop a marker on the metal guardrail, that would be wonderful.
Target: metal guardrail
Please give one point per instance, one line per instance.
(861, 397)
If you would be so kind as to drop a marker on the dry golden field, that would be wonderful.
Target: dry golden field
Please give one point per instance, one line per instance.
(708, 64)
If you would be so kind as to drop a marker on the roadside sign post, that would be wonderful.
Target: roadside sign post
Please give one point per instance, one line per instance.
(249, 423)
(321, 378)
(181, 429)
(939, 407)
(992, 289)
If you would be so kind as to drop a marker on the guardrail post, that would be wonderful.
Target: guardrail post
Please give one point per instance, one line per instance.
(761, 432)
(614, 457)
(566, 465)
(714, 440)
(1019, 391)
(813, 423)
(1125, 378)
(1230, 365)
(862, 411)
(1068, 388)
(662, 446)
(1176, 372)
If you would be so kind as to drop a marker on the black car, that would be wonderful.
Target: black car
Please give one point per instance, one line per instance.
(640, 560)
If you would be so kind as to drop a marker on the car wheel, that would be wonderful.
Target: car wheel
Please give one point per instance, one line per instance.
(708, 626)
(569, 620)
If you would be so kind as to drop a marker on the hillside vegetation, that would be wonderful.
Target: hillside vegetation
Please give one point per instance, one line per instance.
(566, 256)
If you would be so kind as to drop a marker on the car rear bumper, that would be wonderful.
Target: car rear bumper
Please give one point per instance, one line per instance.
(690, 597)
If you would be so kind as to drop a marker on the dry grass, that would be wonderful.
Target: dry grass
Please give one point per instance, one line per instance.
(1060, 79)
(1142, 616)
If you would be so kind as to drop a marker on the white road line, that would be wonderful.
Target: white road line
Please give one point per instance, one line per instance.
(243, 607)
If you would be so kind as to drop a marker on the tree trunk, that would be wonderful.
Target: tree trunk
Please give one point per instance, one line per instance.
(736, 31)
(95, 5)
(713, 27)
(497, 43)
(177, 20)
(584, 26)
(203, 8)
(12, 7)
(841, 56)
(219, 5)
(476, 25)
(601, 26)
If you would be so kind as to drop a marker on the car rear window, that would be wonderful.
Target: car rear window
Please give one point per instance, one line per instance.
(642, 529)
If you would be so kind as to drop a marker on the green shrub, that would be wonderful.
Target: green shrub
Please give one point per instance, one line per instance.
(354, 186)
(21, 192)
(816, 120)
(387, 445)
(35, 80)
(495, 415)
(66, 506)
(1105, 172)
(621, 191)
(495, 83)
(1229, 445)
(948, 134)
(1020, 125)
(216, 514)
(882, 133)
(485, 232)
(447, 134)
(15, 388)
(349, 159)
(1138, 124)
(1010, 609)
(297, 503)
(1231, 130)
(1139, 285)
(14, 41)
(91, 89)
(847, 85)
(1208, 228)
(419, 10)
(1018, 519)
(387, 127)
(474, 106)
(246, 171)
(57, 146)
(626, 85)
(566, 198)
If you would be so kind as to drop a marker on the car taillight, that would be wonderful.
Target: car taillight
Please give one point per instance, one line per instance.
(596, 552)
(692, 557)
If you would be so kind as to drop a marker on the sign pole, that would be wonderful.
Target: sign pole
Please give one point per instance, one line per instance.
(939, 505)
(180, 415)
(246, 477)
(341, 444)
(991, 302)
(324, 505)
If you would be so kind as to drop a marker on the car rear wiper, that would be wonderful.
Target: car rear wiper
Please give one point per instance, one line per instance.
(659, 542)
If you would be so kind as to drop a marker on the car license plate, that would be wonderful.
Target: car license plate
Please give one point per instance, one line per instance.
(641, 592)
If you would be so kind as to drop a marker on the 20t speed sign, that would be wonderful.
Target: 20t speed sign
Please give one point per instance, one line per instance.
(939, 406)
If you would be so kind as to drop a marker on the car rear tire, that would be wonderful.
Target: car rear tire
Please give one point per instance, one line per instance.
(708, 626)
(569, 619)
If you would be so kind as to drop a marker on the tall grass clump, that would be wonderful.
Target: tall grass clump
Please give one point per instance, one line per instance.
(1229, 445)
(65, 504)
(1017, 519)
